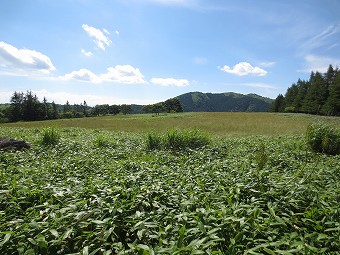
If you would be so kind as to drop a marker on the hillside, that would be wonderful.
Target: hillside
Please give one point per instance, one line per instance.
(224, 102)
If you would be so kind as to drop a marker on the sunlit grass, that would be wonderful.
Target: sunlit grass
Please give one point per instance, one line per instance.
(218, 123)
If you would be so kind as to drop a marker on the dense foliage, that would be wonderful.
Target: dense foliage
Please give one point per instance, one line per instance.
(98, 192)
(223, 102)
(175, 139)
(319, 95)
(27, 107)
(170, 105)
(323, 138)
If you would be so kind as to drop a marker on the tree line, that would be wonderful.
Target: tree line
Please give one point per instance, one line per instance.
(319, 95)
(27, 107)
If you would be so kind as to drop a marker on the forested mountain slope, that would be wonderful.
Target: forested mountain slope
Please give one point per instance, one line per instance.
(223, 102)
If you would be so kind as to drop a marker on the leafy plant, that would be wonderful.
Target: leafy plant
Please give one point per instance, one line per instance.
(50, 136)
(154, 141)
(176, 139)
(261, 157)
(100, 141)
(323, 138)
(77, 199)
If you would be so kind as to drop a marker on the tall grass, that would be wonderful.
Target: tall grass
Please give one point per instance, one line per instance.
(323, 138)
(176, 139)
(50, 136)
(218, 123)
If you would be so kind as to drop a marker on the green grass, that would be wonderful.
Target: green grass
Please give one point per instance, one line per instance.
(50, 136)
(323, 138)
(221, 124)
(177, 140)
(103, 192)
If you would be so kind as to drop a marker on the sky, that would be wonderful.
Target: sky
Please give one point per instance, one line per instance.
(147, 51)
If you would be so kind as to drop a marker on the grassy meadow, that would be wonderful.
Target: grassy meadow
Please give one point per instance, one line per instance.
(218, 123)
(219, 183)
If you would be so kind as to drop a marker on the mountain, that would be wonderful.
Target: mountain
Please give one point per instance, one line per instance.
(224, 102)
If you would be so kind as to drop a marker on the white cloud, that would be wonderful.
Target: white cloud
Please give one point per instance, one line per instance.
(87, 53)
(23, 62)
(106, 31)
(123, 74)
(117, 32)
(82, 75)
(244, 68)
(99, 38)
(267, 64)
(319, 63)
(170, 82)
(119, 74)
(259, 85)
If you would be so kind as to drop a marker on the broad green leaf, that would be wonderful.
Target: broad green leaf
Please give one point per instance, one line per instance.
(54, 232)
(6, 239)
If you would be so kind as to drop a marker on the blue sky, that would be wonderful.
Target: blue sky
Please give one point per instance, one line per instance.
(146, 51)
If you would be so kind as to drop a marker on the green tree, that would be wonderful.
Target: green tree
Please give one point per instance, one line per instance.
(67, 107)
(84, 107)
(15, 112)
(125, 108)
(290, 97)
(333, 101)
(302, 87)
(32, 108)
(114, 109)
(157, 108)
(54, 111)
(173, 105)
(316, 94)
(278, 104)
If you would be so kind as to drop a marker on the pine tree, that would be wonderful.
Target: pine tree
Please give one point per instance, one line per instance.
(333, 101)
(290, 97)
(278, 104)
(15, 113)
(316, 94)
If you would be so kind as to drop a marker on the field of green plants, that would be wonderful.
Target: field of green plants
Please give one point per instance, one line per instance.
(90, 191)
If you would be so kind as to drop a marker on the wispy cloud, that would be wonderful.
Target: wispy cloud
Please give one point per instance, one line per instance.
(322, 38)
(243, 69)
(170, 82)
(267, 64)
(99, 38)
(23, 62)
(259, 85)
(106, 31)
(319, 63)
(124, 74)
(264, 89)
(87, 53)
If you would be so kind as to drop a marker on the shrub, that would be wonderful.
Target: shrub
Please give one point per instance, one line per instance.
(50, 136)
(100, 141)
(323, 138)
(154, 141)
(177, 140)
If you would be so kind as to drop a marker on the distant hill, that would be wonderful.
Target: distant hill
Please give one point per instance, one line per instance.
(224, 102)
